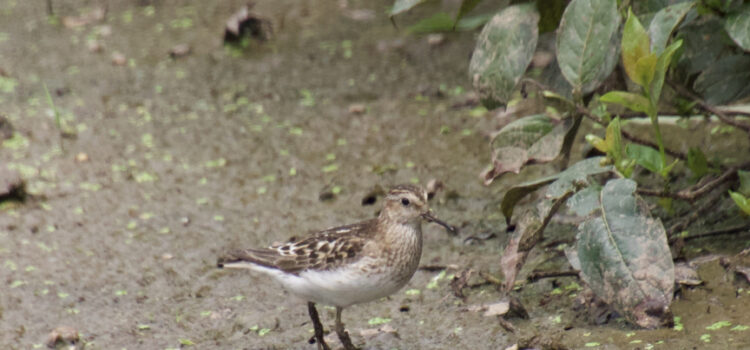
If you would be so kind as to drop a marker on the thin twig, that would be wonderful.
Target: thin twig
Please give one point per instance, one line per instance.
(726, 231)
(537, 275)
(588, 114)
(708, 204)
(691, 193)
(707, 107)
(432, 268)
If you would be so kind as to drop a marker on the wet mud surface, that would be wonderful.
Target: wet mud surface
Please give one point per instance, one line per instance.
(153, 165)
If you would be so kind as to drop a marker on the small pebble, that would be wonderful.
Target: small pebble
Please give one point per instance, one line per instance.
(82, 157)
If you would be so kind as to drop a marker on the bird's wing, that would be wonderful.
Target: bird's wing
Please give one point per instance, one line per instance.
(322, 250)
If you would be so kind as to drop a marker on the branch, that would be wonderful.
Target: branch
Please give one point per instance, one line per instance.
(707, 107)
(629, 136)
(726, 231)
(695, 214)
(691, 193)
(537, 275)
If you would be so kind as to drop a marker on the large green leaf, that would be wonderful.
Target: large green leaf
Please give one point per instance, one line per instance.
(664, 23)
(584, 42)
(585, 201)
(703, 44)
(403, 6)
(635, 48)
(503, 52)
(625, 258)
(563, 182)
(727, 80)
(738, 26)
(532, 139)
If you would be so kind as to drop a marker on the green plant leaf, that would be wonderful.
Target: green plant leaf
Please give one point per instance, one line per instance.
(599, 143)
(737, 26)
(727, 80)
(576, 173)
(585, 51)
(439, 22)
(628, 100)
(645, 156)
(645, 68)
(473, 22)
(625, 258)
(742, 202)
(635, 46)
(744, 182)
(697, 162)
(664, 23)
(550, 13)
(704, 44)
(585, 201)
(400, 6)
(613, 139)
(503, 52)
(532, 139)
(443, 22)
(662, 65)
(466, 7)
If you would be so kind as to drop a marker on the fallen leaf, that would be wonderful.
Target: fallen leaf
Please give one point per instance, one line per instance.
(63, 336)
(244, 23)
(500, 308)
(743, 270)
(686, 274)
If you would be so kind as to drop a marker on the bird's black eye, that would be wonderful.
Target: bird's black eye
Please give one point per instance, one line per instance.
(405, 201)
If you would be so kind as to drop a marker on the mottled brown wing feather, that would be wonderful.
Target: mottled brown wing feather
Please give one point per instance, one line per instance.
(322, 250)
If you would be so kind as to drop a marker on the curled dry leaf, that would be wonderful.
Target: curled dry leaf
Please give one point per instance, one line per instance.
(744, 271)
(433, 187)
(244, 23)
(530, 140)
(686, 274)
(496, 309)
(63, 336)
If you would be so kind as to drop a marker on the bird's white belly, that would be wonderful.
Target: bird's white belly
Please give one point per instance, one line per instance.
(343, 286)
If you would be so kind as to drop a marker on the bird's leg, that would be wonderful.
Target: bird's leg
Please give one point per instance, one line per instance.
(317, 326)
(343, 335)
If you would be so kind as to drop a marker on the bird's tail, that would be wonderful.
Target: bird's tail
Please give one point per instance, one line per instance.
(248, 258)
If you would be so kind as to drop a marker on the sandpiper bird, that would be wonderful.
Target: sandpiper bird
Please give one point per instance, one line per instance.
(350, 264)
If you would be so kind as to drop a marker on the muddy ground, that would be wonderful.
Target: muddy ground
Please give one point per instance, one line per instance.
(153, 165)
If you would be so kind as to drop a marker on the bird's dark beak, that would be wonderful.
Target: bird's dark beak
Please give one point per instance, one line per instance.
(430, 218)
